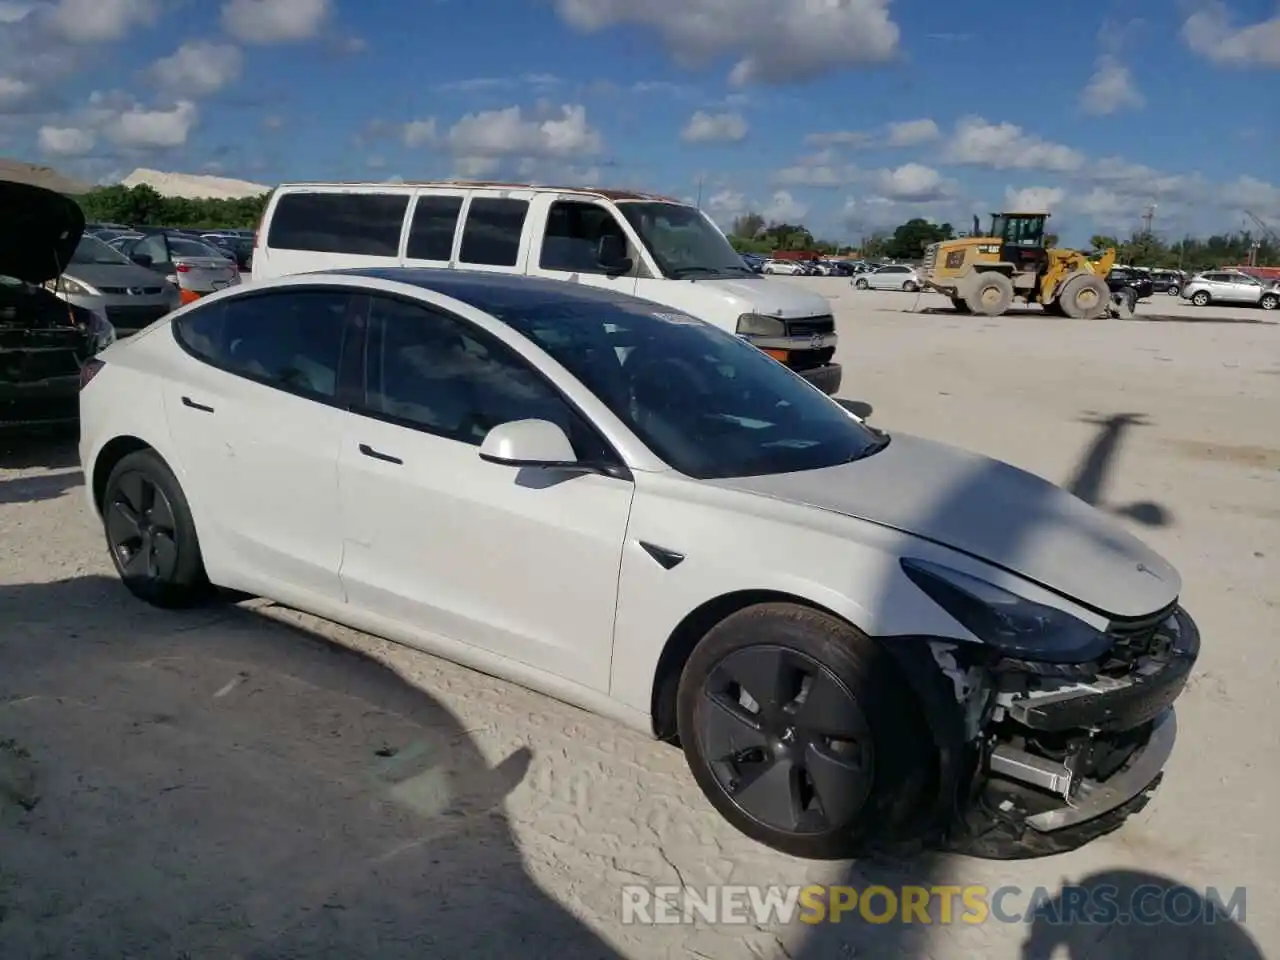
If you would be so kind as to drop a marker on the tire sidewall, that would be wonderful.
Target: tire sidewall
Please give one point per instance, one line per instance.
(904, 758)
(1270, 301)
(1200, 299)
(860, 284)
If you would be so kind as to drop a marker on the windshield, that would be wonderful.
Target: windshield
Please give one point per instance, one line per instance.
(707, 403)
(683, 241)
(93, 250)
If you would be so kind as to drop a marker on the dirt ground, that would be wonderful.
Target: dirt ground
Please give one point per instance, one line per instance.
(244, 781)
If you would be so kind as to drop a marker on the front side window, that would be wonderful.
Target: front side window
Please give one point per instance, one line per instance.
(683, 241)
(492, 234)
(364, 224)
(573, 234)
(432, 371)
(290, 340)
(706, 402)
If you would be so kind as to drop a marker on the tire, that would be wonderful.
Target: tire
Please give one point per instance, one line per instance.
(1201, 299)
(959, 305)
(861, 284)
(910, 287)
(991, 295)
(1173, 291)
(150, 534)
(1085, 297)
(1269, 301)
(876, 776)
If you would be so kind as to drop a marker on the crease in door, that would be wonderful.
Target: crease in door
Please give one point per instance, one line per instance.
(617, 584)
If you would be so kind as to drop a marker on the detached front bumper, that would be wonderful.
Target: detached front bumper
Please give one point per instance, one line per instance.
(1064, 767)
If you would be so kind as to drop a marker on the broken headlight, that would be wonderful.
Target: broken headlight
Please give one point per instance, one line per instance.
(1012, 625)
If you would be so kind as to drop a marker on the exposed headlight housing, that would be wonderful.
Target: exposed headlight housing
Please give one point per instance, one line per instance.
(71, 287)
(1012, 625)
(758, 325)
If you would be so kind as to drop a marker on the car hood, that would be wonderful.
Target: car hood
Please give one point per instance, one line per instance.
(773, 298)
(41, 231)
(992, 511)
(112, 274)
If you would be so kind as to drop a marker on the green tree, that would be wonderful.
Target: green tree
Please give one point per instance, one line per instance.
(748, 226)
(143, 206)
(910, 239)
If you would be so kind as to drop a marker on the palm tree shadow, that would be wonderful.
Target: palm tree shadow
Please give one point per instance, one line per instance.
(213, 783)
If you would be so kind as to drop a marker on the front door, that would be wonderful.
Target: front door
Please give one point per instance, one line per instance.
(569, 248)
(259, 428)
(519, 563)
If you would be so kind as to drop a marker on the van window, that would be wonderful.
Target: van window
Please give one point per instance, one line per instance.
(572, 241)
(366, 224)
(434, 221)
(492, 233)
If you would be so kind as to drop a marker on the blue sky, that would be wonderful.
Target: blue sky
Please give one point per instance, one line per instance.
(849, 115)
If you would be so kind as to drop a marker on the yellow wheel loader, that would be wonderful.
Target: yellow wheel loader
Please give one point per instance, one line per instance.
(987, 274)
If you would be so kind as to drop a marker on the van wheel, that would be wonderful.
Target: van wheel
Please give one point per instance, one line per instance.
(803, 734)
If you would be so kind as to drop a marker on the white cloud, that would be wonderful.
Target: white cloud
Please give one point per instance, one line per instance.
(1211, 33)
(199, 68)
(724, 206)
(1111, 89)
(912, 133)
(100, 21)
(1005, 146)
(138, 128)
(475, 168)
(275, 21)
(774, 41)
(13, 92)
(1034, 199)
(913, 183)
(13, 11)
(784, 208)
(706, 127)
(822, 169)
(1256, 196)
(417, 133)
(66, 141)
(509, 132)
(839, 138)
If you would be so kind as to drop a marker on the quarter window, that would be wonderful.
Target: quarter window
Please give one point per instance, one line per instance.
(572, 240)
(434, 372)
(365, 224)
(492, 234)
(435, 219)
(292, 340)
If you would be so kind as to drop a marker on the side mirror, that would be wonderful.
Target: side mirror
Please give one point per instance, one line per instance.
(142, 259)
(612, 254)
(528, 443)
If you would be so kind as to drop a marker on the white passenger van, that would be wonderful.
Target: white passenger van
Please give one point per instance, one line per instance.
(649, 246)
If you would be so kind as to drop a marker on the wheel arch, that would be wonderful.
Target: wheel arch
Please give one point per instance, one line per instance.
(115, 450)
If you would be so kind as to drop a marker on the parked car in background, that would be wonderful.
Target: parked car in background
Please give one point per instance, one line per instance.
(1231, 286)
(194, 267)
(841, 268)
(1124, 279)
(45, 341)
(236, 247)
(754, 262)
(642, 244)
(1167, 281)
(783, 267)
(100, 278)
(893, 276)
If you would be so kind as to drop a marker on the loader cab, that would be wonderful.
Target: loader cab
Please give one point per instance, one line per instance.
(1021, 238)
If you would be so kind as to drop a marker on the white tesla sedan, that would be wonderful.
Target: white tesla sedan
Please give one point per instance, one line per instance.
(859, 639)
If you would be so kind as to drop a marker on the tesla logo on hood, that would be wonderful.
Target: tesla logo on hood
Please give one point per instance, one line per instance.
(1143, 568)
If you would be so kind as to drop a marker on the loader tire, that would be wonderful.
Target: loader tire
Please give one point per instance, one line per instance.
(1085, 297)
(991, 295)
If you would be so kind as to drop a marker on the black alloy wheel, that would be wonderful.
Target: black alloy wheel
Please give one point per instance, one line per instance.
(786, 740)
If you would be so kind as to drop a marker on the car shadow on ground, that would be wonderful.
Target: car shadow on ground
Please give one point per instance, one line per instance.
(215, 783)
(879, 935)
(46, 486)
(1090, 478)
(859, 408)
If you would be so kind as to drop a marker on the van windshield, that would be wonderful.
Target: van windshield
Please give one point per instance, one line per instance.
(683, 241)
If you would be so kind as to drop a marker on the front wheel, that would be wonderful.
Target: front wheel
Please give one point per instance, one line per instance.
(861, 284)
(1269, 301)
(151, 535)
(1201, 299)
(1174, 291)
(803, 734)
(910, 286)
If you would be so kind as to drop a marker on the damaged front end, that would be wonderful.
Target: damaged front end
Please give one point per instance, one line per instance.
(1063, 741)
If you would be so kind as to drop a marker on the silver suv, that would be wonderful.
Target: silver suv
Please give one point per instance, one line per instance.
(1230, 286)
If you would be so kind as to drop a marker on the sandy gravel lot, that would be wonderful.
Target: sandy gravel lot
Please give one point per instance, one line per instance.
(246, 782)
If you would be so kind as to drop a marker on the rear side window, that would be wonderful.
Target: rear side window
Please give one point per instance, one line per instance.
(434, 221)
(492, 234)
(291, 340)
(367, 224)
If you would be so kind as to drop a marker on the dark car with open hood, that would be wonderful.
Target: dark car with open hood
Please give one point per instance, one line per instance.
(44, 340)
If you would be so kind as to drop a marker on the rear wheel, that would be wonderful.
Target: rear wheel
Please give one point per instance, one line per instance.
(1085, 297)
(1201, 299)
(151, 534)
(1174, 291)
(992, 295)
(910, 286)
(803, 734)
(861, 284)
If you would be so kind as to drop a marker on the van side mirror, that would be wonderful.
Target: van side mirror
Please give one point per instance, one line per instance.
(612, 254)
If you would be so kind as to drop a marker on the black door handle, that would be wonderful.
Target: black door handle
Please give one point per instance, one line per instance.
(188, 402)
(368, 451)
